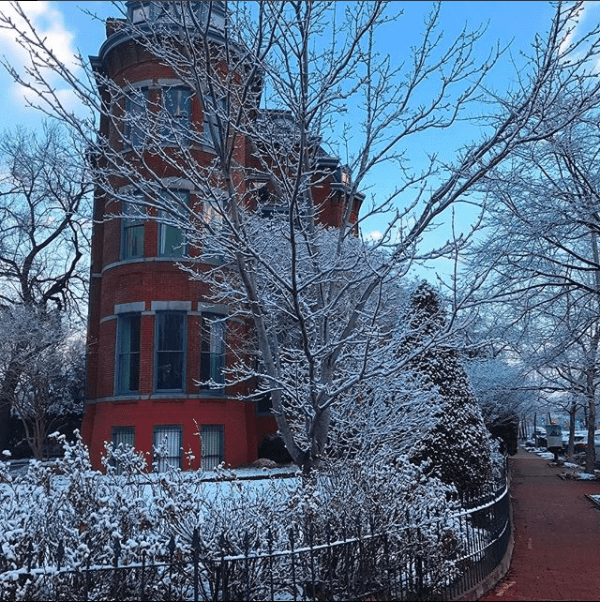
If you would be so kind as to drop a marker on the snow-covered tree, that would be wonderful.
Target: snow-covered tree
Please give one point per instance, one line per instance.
(42, 252)
(503, 393)
(542, 258)
(49, 394)
(426, 419)
(455, 446)
(316, 296)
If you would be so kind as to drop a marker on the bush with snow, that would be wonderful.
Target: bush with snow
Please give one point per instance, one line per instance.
(66, 513)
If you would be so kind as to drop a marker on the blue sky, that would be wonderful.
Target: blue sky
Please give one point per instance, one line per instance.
(70, 29)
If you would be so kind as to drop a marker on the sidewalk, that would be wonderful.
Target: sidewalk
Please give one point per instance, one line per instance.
(557, 535)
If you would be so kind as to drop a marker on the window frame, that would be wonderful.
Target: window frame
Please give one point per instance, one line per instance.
(118, 439)
(134, 224)
(163, 12)
(159, 316)
(159, 433)
(210, 118)
(178, 249)
(122, 354)
(136, 107)
(213, 363)
(207, 456)
(176, 120)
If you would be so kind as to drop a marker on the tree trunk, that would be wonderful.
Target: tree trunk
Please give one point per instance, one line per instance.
(590, 455)
(590, 452)
(571, 444)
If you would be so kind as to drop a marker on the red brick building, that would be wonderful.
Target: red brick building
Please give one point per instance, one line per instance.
(153, 333)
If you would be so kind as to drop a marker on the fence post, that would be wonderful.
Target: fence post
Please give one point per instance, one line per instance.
(143, 579)
(86, 593)
(60, 553)
(329, 557)
(29, 556)
(270, 550)
(247, 564)
(195, 551)
(311, 544)
(291, 536)
(171, 548)
(115, 579)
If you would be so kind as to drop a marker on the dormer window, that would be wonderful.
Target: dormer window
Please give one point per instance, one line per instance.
(143, 12)
(138, 14)
(178, 13)
(343, 175)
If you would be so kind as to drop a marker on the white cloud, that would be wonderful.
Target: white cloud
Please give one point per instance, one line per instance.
(374, 235)
(49, 24)
(588, 16)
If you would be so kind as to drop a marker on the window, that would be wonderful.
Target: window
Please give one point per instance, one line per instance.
(128, 354)
(138, 14)
(123, 437)
(212, 213)
(210, 124)
(212, 360)
(167, 443)
(177, 102)
(132, 239)
(174, 13)
(213, 445)
(171, 241)
(170, 351)
(136, 117)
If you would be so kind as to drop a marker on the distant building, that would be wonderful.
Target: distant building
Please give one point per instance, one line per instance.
(153, 332)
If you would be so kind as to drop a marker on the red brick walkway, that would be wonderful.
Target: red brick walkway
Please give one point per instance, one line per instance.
(557, 535)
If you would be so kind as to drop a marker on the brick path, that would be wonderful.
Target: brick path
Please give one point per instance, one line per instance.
(557, 535)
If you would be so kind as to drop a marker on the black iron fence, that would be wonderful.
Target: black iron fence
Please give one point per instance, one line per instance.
(429, 558)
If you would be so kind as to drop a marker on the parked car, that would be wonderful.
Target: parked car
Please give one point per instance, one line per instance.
(579, 441)
(539, 438)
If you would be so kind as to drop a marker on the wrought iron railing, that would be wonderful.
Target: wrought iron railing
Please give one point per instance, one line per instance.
(431, 558)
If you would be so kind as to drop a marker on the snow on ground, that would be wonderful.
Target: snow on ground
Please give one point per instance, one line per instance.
(575, 471)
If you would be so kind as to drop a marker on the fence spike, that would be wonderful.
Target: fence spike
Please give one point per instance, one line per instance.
(117, 550)
(60, 554)
(195, 540)
(29, 556)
